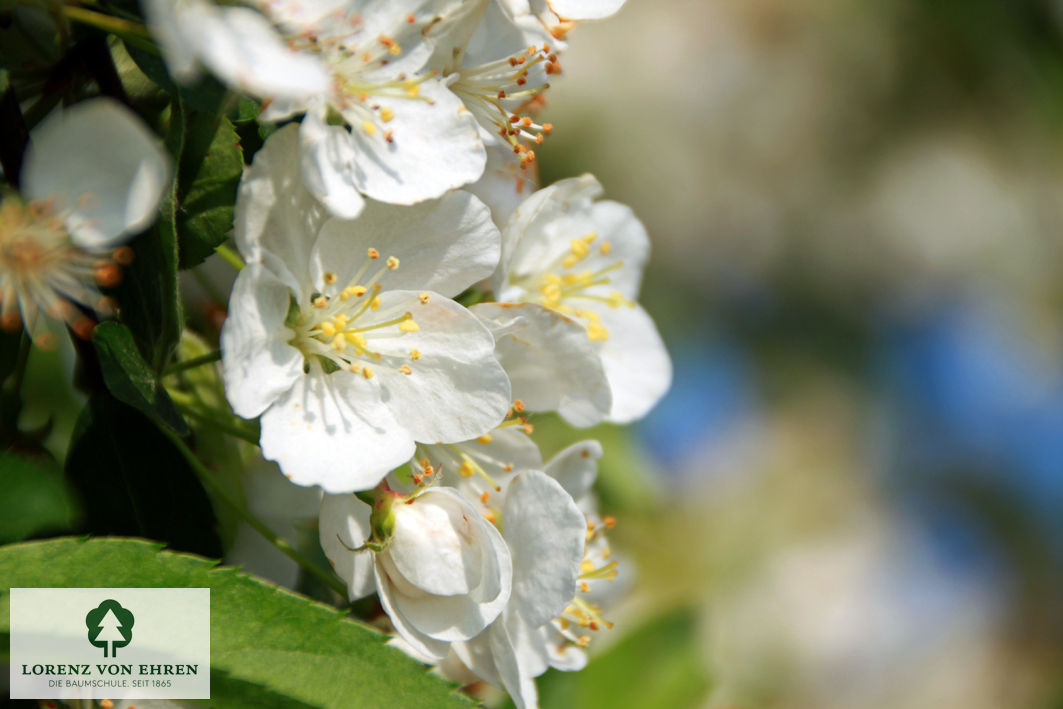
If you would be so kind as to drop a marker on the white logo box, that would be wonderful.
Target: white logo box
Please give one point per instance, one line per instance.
(166, 656)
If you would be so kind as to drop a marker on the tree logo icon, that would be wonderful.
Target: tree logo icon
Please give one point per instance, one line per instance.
(109, 623)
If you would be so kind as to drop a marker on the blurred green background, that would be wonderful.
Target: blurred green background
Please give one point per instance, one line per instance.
(853, 495)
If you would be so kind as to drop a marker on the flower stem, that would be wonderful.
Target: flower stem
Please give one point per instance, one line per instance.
(107, 23)
(207, 477)
(222, 423)
(230, 256)
(191, 363)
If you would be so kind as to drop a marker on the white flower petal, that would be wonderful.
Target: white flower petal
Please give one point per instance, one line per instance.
(476, 655)
(102, 169)
(551, 363)
(629, 242)
(435, 147)
(443, 245)
(456, 390)
(332, 430)
(277, 219)
(168, 20)
(504, 184)
(537, 229)
(636, 362)
(517, 682)
(422, 644)
(464, 616)
(244, 50)
(329, 160)
(433, 544)
(258, 364)
(576, 467)
(545, 531)
(585, 9)
(343, 525)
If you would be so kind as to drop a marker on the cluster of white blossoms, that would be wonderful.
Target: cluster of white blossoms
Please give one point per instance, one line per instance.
(400, 185)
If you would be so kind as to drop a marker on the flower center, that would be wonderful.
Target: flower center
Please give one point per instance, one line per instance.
(349, 330)
(568, 286)
(352, 54)
(498, 92)
(42, 270)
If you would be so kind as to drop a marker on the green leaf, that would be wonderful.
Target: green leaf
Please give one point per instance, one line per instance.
(133, 481)
(34, 498)
(268, 647)
(658, 665)
(209, 174)
(148, 297)
(130, 378)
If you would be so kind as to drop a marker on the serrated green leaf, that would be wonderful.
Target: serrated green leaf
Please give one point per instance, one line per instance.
(133, 481)
(34, 498)
(130, 378)
(269, 647)
(210, 170)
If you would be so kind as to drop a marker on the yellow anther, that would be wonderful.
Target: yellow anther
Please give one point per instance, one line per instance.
(424, 297)
(367, 372)
(405, 369)
(327, 329)
(369, 127)
(395, 49)
(579, 248)
(551, 294)
(339, 320)
(375, 303)
(320, 301)
(330, 277)
(408, 325)
(590, 237)
(583, 640)
(485, 497)
(528, 428)
(606, 248)
(584, 586)
(392, 263)
(518, 405)
(386, 114)
(485, 439)
(585, 566)
(339, 343)
(616, 299)
(415, 354)
(356, 338)
(466, 469)
(413, 89)
(354, 369)
(596, 332)
(372, 253)
(424, 462)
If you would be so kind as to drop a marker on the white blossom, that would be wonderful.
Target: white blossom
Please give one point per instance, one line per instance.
(443, 573)
(584, 259)
(342, 334)
(92, 176)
